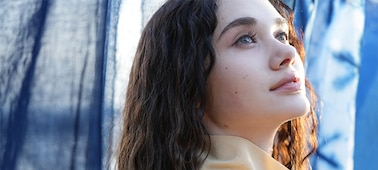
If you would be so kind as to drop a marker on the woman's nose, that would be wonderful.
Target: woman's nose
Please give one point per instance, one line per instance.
(282, 56)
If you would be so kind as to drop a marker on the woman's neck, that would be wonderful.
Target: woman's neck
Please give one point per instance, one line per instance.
(261, 135)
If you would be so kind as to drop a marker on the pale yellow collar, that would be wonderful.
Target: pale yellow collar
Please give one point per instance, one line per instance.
(231, 152)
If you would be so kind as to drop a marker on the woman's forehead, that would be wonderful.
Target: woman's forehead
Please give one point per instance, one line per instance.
(230, 10)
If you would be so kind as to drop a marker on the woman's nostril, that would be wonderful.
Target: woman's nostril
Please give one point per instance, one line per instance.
(286, 61)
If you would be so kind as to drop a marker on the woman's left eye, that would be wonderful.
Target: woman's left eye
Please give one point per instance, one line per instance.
(282, 36)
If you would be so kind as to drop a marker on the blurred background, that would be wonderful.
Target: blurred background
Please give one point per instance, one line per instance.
(64, 67)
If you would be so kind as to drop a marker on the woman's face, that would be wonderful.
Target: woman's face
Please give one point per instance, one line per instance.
(258, 78)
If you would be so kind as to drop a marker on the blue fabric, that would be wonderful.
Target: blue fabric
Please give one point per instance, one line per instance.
(366, 138)
(53, 66)
(333, 69)
(302, 15)
(342, 64)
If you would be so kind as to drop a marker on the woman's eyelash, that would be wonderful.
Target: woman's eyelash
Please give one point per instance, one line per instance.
(250, 38)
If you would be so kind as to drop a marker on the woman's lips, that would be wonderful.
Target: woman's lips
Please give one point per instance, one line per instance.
(289, 83)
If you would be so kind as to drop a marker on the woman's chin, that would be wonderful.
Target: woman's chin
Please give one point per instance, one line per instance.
(299, 109)
(294, 108)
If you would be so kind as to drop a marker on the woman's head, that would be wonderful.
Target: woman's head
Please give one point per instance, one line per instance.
(258, 77)
(178, 77)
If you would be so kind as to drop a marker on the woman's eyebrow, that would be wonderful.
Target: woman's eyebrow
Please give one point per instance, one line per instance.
(249, 21)
(282, 22)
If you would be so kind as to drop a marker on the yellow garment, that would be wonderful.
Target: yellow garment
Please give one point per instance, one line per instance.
(231, 152)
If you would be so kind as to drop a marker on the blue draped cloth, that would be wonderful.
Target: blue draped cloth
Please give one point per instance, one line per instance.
(366, 138)
(333, 63)
(52, 83)
(341, 40)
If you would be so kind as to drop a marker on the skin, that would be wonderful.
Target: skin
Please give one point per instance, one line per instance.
(252, 56)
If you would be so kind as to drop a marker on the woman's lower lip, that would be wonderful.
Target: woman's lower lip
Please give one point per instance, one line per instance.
(289, 87)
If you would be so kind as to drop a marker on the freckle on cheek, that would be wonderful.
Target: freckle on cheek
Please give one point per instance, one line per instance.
(236, 92)
(226, 68)
(225, 126)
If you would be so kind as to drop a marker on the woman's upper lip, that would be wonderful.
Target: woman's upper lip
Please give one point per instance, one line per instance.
(288, 78)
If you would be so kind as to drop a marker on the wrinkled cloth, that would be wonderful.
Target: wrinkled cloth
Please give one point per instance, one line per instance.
(342, 58)
(333, 69)
(366, 135)
(232, 152)
(53, 59)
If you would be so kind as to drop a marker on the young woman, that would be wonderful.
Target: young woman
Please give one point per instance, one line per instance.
(218, 84)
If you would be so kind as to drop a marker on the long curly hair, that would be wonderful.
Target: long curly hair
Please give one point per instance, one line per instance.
(166, 99)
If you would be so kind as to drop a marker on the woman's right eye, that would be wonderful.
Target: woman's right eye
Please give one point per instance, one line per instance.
(246, 39)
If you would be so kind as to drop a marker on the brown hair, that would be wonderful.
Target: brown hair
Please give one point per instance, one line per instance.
(165, 98)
